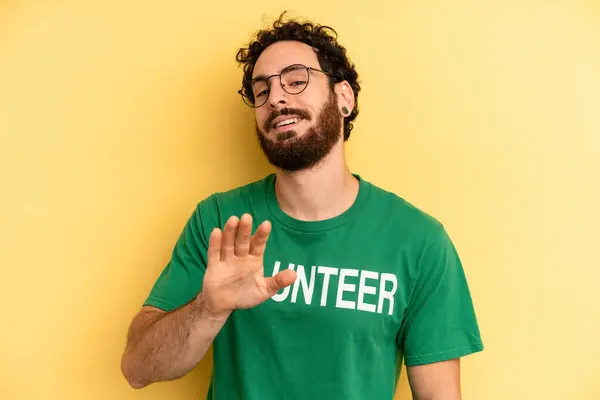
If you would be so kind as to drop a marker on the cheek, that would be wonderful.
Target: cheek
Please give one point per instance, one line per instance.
(312, 101)
(260, 116)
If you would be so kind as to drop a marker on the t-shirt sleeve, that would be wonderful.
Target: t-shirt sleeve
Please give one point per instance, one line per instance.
(440, 322)
(181, 279)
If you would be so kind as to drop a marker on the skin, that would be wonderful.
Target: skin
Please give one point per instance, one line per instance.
(165, 346)
(328, 189)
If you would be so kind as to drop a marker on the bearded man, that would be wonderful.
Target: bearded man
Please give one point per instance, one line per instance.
(311, 283)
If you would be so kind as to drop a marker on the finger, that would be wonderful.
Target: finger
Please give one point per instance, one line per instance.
(259, 240)
(214, 247)
(242, 239)
(228, 240)
(280, 281)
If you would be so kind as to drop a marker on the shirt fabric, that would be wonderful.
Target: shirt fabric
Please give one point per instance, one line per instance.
(378, 285)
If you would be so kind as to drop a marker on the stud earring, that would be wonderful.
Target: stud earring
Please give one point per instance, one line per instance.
(345, 111)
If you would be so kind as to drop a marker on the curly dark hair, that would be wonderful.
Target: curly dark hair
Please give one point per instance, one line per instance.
(323, 39)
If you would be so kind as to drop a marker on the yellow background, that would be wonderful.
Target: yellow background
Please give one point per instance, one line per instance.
(116, 117)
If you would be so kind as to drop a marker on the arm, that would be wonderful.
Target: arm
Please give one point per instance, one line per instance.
(165, 346)
(436, 381)
(439, 325)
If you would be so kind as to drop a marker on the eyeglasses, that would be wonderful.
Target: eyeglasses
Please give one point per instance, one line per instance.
(293, 80)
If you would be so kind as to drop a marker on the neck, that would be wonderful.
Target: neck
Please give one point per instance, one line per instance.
(319, 193)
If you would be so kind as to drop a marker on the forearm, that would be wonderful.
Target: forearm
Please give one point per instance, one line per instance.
(172, 345)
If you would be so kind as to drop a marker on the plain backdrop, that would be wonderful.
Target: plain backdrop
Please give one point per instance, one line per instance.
(117, 117)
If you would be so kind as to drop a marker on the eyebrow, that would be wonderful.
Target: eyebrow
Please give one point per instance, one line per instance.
(258, 78)
(263, 77)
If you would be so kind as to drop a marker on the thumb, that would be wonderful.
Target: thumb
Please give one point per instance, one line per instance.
(280, 281)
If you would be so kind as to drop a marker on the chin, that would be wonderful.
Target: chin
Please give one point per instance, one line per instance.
(286, 136)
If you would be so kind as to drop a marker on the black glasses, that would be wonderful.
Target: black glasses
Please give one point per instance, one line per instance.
(293, 79)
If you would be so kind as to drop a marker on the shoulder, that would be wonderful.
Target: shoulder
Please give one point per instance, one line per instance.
(403, 215)
(230, 201)
(417, 233)
(243, 192)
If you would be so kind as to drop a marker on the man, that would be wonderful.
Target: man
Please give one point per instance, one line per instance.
(311, 283)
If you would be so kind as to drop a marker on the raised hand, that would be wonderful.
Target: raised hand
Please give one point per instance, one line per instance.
(234, 278)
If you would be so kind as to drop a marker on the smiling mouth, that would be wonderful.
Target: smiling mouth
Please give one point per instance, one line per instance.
(286, 122)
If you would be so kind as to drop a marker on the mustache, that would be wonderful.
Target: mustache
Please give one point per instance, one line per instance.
(285, 111)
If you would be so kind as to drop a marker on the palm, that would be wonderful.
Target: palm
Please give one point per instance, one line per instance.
(235, 274)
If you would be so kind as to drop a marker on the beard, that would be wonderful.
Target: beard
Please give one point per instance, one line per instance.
(293, 153)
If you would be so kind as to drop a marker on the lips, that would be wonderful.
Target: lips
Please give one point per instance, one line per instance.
(285, 121)
(285, 117)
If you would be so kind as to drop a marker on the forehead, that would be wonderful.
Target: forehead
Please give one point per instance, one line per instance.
(281, 54)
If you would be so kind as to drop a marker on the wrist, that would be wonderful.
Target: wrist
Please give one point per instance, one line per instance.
(210, 312)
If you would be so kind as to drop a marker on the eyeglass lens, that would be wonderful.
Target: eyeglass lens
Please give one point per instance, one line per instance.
(293, 80)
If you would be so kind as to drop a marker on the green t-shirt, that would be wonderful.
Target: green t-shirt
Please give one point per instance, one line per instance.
(376, 286)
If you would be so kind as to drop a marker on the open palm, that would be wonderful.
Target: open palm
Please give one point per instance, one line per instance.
(234, 277)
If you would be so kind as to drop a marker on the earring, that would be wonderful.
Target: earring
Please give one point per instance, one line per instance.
(345, 111)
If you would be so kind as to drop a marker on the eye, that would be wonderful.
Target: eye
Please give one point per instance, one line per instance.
(298, 83)
(263, 93)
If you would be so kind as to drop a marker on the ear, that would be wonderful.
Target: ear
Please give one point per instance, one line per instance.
(345, 96)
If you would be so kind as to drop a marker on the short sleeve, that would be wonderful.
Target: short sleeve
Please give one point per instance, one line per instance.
(181, 279)
(439, 322)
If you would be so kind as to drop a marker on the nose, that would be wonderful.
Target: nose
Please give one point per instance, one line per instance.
(277, 96)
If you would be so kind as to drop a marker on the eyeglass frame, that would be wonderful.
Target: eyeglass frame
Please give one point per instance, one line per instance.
(284, 70)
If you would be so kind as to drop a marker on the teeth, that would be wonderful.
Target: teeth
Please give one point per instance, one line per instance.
(286, 122)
